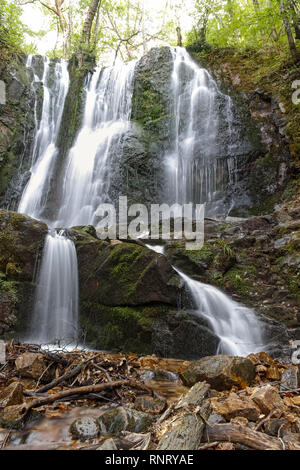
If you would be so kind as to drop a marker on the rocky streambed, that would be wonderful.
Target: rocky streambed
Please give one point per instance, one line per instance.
(92, 400)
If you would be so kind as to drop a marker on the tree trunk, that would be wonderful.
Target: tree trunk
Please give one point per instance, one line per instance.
(295, 19)
(179, 36)
(288, 30)
(87, 27)
(242, 435)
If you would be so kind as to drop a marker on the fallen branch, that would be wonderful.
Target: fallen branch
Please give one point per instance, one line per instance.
(66, 376)
(242, 435)
(78, 391)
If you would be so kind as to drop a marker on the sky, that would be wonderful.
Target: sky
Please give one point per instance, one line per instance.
(34, 18)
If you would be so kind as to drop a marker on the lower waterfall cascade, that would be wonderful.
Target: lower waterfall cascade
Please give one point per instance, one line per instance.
(55, 316)
(194, 174)
(237, 327)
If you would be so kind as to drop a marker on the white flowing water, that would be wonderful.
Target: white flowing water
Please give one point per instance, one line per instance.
(55, 315)
(237, 327)
(198, 164)
(55, 86)
(106, 119)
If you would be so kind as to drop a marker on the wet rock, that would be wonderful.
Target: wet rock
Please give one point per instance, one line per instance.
(30, 365)
(108, 444)
(85, 428)
(234, 406)
(267, 399)
(221, 372)
(150, 405)
(11, 395)
(290, 379)
(123, 419)
(183, 336)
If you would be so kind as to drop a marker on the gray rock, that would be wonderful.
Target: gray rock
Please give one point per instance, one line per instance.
(215, 418)
(289, 379)
(85, 428)
(123, 419)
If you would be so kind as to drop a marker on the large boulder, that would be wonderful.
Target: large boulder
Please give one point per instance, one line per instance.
(124, 274)
(221, 372)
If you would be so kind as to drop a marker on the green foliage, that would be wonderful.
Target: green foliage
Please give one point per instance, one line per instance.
(237, 23)
(11, 27)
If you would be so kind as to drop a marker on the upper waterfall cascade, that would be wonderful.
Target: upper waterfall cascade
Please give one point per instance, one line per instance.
(199, 163)
(55, 82)
(106, 118)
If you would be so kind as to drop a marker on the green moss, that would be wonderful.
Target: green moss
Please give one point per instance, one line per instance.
(123, 329)
(124, 263)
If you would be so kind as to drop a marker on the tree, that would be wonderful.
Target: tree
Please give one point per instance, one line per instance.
(285, 9)
(11, 27)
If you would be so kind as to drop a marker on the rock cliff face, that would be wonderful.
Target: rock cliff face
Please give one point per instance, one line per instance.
(260, 158)
(16, 131)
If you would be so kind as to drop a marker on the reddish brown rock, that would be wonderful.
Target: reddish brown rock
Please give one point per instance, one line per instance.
(267, 399)
(30, 365)
(221, 372)
(234, 406)
(11, 395)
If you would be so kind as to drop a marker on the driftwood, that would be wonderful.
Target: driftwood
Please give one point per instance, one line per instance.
(78, 391)
(242, 435)
(64, 377)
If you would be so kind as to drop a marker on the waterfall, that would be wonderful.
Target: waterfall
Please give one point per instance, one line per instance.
(237, 327)
(55, 87)
(197, 167)
(106, 119)
(55, 315)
